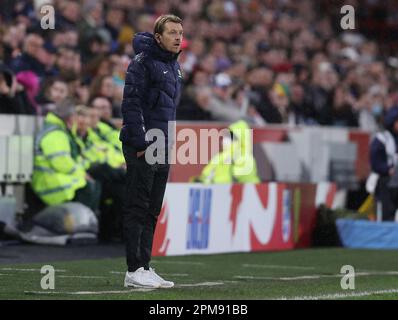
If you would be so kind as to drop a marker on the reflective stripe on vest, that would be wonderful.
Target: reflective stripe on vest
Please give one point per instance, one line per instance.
(43, 169)
(57, 189)
(72, 170)
(57, 154)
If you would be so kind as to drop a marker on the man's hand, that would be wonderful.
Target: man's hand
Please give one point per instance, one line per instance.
(89, 178)
(140, 153)
(4, 89)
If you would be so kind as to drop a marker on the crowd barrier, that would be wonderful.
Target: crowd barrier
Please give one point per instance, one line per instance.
(207, 219)
(16, 147)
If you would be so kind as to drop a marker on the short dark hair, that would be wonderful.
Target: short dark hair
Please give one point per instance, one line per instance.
(162, 20)
(65, 109)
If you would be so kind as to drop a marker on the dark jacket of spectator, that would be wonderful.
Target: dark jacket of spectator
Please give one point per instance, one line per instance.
(152, 91)
(381, 158)
(340, 117)
(190, 110)
(260, 100)
(26, 62)
(13, 98)
(17, 104)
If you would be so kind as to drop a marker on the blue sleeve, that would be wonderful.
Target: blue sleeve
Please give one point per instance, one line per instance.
(378, 158)
(134, 100)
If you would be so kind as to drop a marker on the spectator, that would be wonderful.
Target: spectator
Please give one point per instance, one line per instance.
(12, 38)
(59, 174)
(13, 98)
(279, 103)
(69, 15)
(383, 161)
(219, 102)
(236, 162)
(114, 20)
(105, 164)
(105, 128)
(30, 57)
(104, 86)
(341, 113)
(55, 90)
(320, 93)
(67, 63)
(275, 42)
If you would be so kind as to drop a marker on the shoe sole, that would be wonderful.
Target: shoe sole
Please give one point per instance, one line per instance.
(136, 285)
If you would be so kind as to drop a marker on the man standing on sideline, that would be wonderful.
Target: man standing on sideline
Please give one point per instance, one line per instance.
(151, 94)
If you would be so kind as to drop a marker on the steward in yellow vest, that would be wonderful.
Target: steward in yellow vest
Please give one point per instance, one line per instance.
(94, 149)
(103, 163)
(103, 126)
(236, 162)
(59, 174)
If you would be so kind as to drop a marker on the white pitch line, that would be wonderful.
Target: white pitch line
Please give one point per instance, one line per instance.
(201, 284)
(230, 281)
(83, 277)
(174, 274)
(318, 276)
(121, 291)
(340, 295)
(90, 292)
(272, 266)
(28, 270)
(179, 262)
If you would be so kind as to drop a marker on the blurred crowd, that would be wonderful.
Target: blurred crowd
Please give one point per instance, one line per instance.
(263, 61)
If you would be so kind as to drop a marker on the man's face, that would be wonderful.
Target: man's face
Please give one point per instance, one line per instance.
(223, 92)
(66, 59)
(71, 11)
(171, 38)
(58, 91)
(83, 123)
(104, 108)
(34, 46)
(94, 116)
(71, 121)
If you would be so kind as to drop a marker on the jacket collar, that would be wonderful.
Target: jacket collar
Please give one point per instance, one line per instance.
(51, 118)
(145, 42)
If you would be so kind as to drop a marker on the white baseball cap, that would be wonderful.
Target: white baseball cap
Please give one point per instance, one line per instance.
(222, 80)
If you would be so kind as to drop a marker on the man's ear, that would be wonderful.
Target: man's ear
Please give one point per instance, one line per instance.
(157, 37)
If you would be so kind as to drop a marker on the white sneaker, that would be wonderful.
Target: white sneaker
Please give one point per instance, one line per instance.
(140, 278)
(159, 279)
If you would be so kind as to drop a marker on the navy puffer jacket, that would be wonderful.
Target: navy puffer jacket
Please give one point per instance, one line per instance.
(152, 91)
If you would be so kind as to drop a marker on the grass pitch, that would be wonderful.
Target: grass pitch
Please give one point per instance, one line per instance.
(299, 274)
